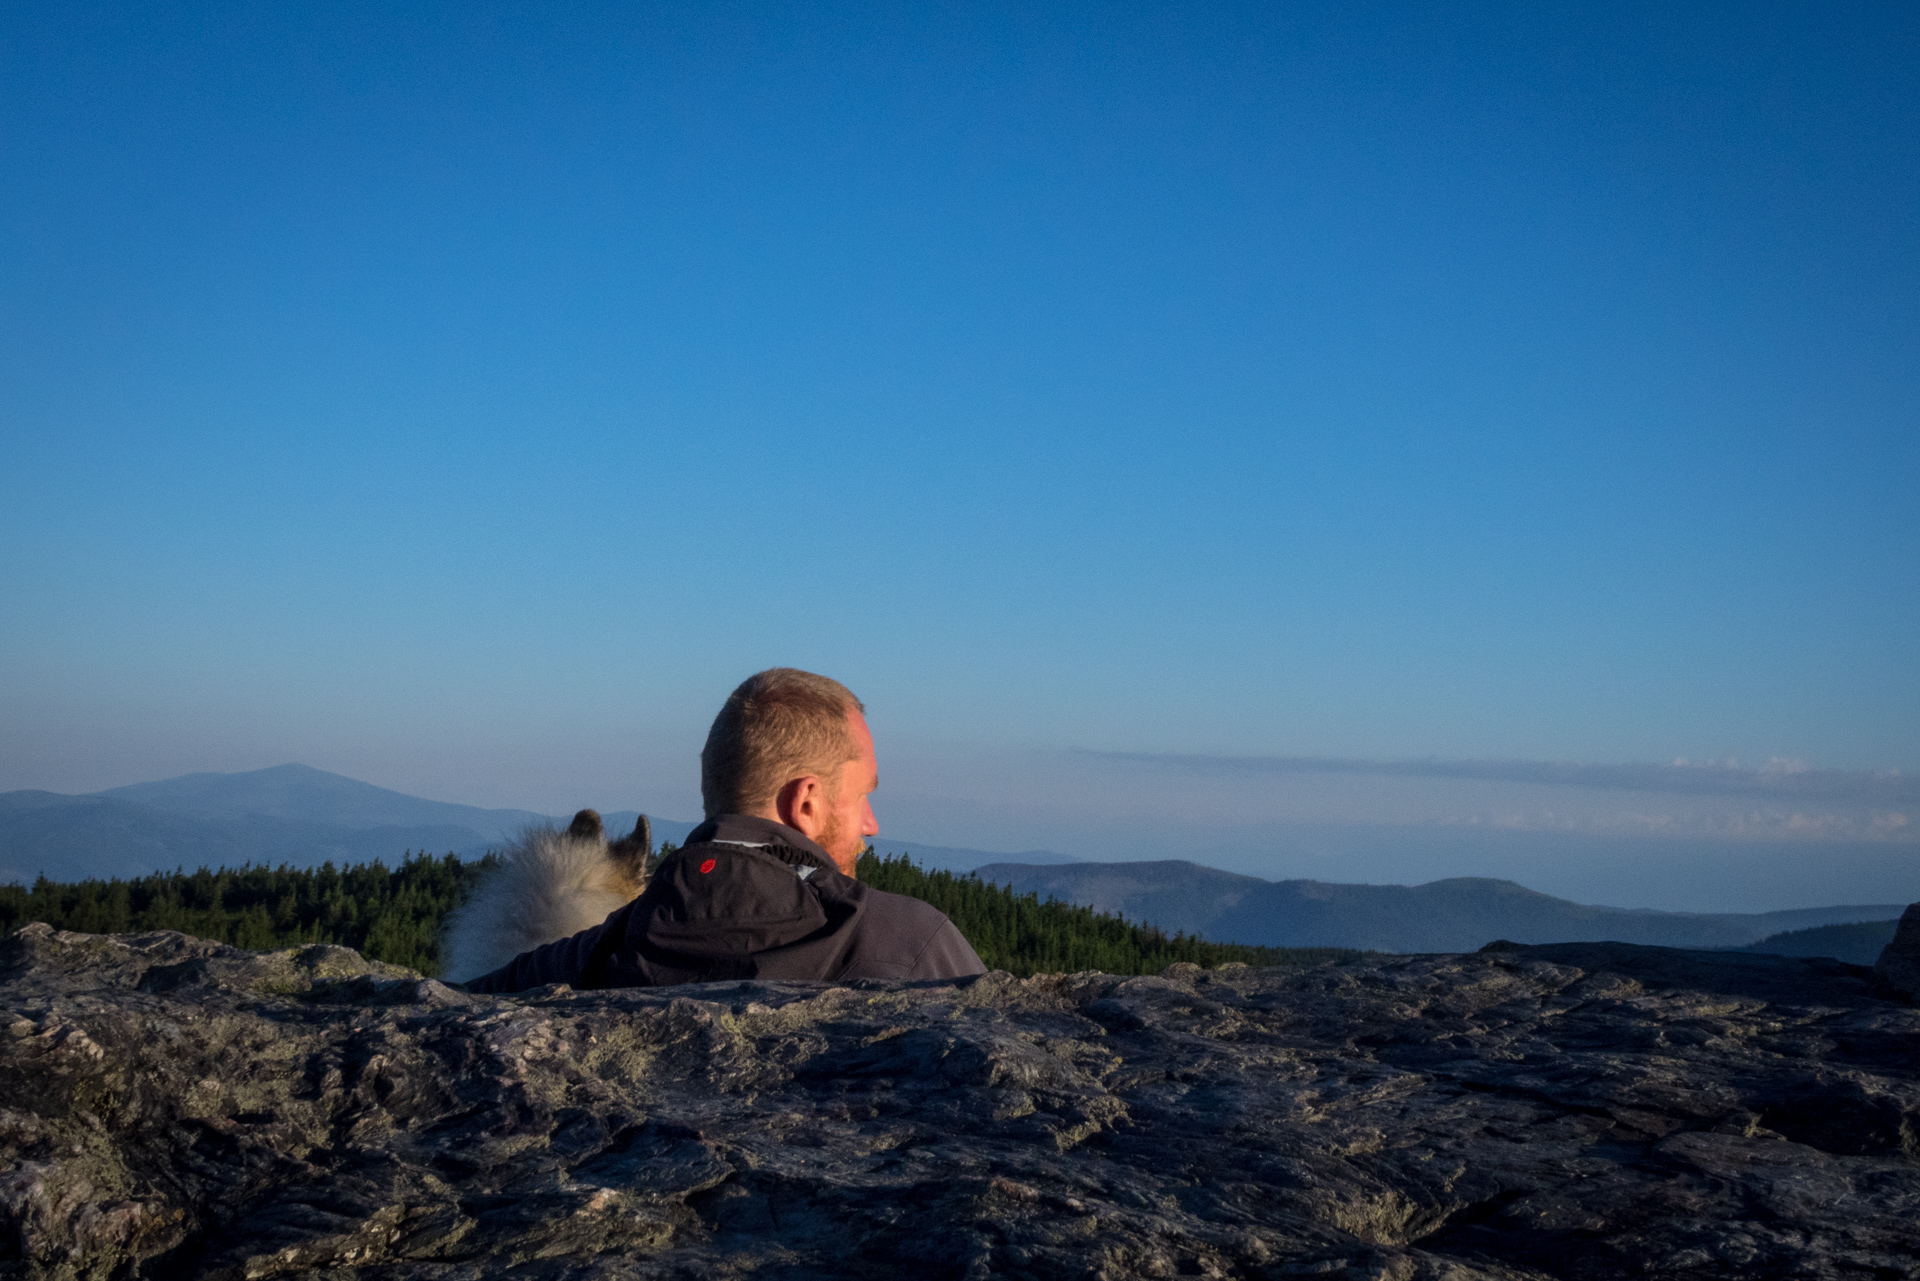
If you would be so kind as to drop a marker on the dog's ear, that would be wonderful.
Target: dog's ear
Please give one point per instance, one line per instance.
(634, 852)
(638, 846)
(586, 826)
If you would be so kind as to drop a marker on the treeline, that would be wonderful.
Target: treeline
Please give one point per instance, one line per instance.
(385, 914)
(395, 914)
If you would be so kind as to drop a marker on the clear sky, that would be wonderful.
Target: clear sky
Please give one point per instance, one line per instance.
(464, 397)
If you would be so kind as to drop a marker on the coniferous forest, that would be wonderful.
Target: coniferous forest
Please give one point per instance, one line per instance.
(395, 914)
(386, 914)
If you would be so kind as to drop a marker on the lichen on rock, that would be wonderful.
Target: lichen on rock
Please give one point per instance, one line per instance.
(170, 1107)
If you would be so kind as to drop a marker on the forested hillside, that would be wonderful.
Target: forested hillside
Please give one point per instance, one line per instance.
(386, 914)
(395, 914)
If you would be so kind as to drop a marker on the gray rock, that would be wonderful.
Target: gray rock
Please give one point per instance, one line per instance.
(1899, 963)
(173, 1108)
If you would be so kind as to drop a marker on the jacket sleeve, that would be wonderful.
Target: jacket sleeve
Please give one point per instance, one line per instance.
(557, 962)
(947, 955)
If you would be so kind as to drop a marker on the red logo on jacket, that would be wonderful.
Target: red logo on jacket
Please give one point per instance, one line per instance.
(706, 867)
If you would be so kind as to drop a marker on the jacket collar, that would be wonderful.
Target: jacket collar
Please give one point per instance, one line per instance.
(761, 833)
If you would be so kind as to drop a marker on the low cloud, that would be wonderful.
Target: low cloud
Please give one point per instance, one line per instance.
(1748, 825)
(1785, 782)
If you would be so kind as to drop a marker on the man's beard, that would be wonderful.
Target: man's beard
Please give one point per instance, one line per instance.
(838, 836)
(830, 834)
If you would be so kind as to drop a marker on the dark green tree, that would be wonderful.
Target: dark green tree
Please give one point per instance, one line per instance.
(387, 914)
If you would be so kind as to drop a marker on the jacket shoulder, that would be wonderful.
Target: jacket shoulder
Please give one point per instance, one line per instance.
(904, 910)
(908, 938)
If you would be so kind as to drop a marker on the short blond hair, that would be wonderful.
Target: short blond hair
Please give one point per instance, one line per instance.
(779, 725)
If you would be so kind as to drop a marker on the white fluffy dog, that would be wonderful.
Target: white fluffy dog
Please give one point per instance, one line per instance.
(551, 884)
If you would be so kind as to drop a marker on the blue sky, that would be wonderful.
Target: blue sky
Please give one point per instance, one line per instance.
(464, 397)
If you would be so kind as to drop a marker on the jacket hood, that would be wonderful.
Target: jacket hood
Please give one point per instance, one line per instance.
(737, 888)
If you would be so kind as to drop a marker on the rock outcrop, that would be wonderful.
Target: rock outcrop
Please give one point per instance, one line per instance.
(173, 1108)
(1899, 964)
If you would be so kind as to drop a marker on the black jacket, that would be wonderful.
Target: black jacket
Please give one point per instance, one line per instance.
(748, 898)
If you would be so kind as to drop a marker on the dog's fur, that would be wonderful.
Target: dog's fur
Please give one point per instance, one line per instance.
(550, 885)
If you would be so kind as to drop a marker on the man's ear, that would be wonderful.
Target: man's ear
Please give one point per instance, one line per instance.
(798, 805)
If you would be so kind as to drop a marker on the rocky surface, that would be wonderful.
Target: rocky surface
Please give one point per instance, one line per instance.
(173, 1108)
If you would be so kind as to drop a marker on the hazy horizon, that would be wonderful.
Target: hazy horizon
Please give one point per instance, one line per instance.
(1776, 800)
(1716, 847)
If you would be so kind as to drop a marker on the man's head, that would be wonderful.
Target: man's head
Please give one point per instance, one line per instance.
(794, 747)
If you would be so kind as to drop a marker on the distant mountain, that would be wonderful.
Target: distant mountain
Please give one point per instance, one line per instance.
(955, 859)
(302, 794)
(287, 814)
(73, 837)
(1454, 915)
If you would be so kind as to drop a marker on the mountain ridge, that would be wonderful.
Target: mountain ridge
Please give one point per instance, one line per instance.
(291, 813)
(1452, 914)
(305, 794)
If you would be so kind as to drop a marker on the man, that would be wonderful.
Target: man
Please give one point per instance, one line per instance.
(765, 887)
